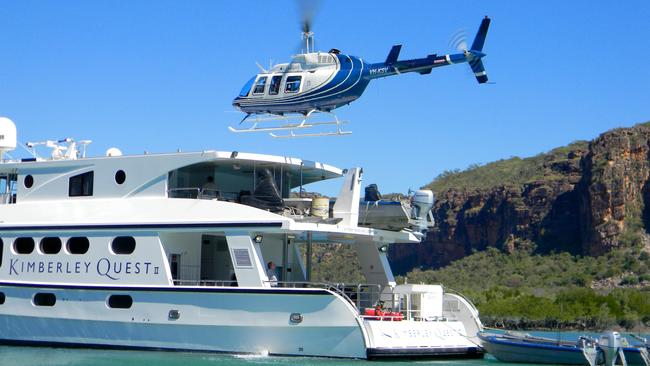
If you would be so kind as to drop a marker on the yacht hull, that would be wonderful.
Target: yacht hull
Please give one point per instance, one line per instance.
(280, 321)
(213, 320)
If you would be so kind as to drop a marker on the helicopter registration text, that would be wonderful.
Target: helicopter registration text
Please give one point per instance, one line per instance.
(379, 70)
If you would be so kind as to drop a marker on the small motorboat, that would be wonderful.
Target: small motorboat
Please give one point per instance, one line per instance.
(636, 352)
(523, 347)
(395, 213)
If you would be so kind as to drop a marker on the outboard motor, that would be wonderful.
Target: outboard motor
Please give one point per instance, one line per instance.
(421, 205)
(612, 347)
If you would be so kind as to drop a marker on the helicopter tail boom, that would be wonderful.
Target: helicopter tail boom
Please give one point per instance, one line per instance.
(473, 56)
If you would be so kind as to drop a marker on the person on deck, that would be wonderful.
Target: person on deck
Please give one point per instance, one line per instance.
(209, 188)
(270, 273)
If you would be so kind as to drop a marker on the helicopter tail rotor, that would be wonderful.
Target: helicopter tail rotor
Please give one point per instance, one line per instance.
(458, 41)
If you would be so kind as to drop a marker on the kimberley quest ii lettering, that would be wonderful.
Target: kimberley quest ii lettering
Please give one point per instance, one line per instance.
(103, 267)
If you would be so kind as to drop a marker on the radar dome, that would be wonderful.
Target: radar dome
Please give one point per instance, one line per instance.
(7, 134)
(113, 151)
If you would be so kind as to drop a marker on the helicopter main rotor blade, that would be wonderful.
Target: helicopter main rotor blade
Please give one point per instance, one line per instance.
(307, 9)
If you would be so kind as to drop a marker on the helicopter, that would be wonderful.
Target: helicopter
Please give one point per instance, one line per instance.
(317, 82)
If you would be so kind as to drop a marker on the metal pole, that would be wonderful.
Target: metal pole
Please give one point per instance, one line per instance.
(254, 177)
(281, 181)
(301, 165)
(309, 248)
(285, 259)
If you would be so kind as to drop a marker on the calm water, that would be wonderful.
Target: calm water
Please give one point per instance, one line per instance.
(71, 357)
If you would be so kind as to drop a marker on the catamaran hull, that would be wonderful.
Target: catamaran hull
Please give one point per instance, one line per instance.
(194, 319)
(296, 322)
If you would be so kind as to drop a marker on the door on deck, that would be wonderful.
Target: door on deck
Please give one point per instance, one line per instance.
(216, 263)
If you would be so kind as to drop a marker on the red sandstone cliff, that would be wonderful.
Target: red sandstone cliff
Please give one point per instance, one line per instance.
(584, 199)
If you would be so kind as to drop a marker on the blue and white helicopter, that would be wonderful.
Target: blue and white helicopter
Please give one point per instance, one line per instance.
(319, 82)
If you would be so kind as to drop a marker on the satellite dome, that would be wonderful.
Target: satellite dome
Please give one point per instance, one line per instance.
(113, 151)
(7, 134)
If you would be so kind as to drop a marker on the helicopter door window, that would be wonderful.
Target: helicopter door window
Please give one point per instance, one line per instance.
(274, 88)
(293, 84)
(259, 85)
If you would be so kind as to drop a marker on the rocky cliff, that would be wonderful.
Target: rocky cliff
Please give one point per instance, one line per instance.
(585, 198)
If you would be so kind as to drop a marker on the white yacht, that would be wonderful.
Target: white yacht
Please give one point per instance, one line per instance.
(171, 252)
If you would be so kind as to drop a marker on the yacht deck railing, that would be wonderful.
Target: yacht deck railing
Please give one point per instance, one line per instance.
(366, 298)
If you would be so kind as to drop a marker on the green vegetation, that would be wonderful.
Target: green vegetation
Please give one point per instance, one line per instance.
(521, 290)
(526, 291)
(513, 171)
(334, 263)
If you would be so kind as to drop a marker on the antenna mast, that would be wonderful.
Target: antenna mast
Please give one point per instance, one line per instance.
(308, 36)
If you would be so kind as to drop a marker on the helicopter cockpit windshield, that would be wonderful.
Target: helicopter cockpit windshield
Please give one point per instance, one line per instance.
(247, 87)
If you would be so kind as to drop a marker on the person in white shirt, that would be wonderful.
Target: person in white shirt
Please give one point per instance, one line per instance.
(270, 273)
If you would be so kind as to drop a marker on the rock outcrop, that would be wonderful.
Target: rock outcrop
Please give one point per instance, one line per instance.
(584, 199)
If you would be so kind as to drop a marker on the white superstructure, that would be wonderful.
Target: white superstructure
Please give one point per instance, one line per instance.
(170, 251)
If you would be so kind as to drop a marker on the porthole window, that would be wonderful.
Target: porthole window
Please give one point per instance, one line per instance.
(2, 298)
(24, 245)
(120, 177)
(77, 245)
(50, 245)
(123, 245)
(120, 301)
(44, 299)
(29, 181)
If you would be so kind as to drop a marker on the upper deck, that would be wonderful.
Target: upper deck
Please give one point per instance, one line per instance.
(223, 174)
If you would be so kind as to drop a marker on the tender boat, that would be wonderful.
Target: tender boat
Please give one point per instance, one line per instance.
(636, 352)
(524, 348)
(391, 214)
(204, 251)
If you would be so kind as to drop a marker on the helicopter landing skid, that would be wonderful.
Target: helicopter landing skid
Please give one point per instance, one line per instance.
(303, 124)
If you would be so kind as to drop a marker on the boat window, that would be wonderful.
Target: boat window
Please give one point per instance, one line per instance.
(247, 87)
(274, 89)
(24, 245)
(293, 84)
(123, 245)
(8, 188)
(50, 245)
(259, 85)
(2, 298)
(29, 181)
(120, 301)
(81, 185)
(78, 245)
(174, 265)
(1, 249)
(44, 299)
(120, 177)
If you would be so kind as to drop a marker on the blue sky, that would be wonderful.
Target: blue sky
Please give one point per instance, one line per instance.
(160, 76)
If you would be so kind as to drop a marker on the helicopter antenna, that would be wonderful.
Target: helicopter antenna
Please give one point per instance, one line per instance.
(261, 68)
